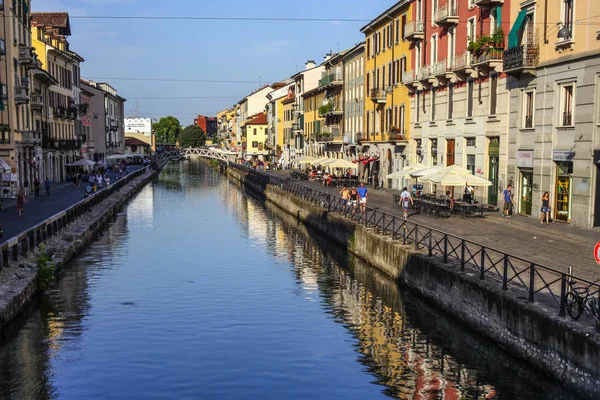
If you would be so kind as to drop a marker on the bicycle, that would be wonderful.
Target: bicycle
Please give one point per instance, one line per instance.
(577, 300)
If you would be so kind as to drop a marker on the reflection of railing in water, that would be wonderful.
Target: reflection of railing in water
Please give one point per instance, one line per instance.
(535, 280)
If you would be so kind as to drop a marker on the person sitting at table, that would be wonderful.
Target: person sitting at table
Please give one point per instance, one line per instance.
(450, 198)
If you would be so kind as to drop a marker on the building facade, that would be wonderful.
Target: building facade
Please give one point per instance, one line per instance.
(141, 129)
(331, 108)
(209, 125)
(554, 76)
(354, 98)
(275, 119)
(304, 81)
(384, 144)
(256, 128)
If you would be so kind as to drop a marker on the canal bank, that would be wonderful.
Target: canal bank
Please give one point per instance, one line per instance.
(64, 236)
(564, 350)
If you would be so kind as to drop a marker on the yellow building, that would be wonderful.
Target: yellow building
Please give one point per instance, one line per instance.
(314, 122)
(256, 128)
(554, 126)
(332, 109)
(387, 106)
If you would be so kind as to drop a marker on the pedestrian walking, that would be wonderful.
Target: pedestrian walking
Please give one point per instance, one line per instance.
(36, 187)
(21, 203)
(345, 196)
(508, 201)
(545, 208)
(26, 187)
(406, 200)
(75, 176)
(353, 197)
(48, 184)
(363, 195)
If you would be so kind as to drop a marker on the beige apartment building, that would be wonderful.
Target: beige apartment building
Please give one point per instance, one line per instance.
(354, 98)
(553, 67)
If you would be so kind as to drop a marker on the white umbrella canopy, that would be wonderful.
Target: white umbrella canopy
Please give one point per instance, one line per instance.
(456, 176)
(321, 161)
(339, 163)
(116, 157)
(399, 174)
(305, 160)
(477, 181)
(414, 167)
(424, 173)
(82, 162)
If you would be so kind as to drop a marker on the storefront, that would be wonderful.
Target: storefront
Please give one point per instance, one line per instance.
(564, 184)
(494, 166)
(525, 165)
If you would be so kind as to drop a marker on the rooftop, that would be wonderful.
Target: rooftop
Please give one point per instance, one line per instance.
(135, 142)
(259, 119)
(52, 20)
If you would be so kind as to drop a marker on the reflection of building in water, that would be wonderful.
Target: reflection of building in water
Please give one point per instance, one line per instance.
(141, 211)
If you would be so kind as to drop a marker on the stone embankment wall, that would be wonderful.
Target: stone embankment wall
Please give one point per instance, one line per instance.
(18, 282)
(563, 349)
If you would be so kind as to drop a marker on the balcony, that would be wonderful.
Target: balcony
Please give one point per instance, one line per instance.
(414, 30)
(378, 96)
(408, 78)
(72, 113)
(488, 3)
(26, 55)
(522, 59)
(31, 137)
(67, 145)
(322, 137)
(113, 125)
(397, 135)
(489, 59)
(331, 77)
(37, 101)
(330, 109)
(334, 131)
(59, 112)
(21, 95)
(461, 64)
(423, 74)
(446, 14)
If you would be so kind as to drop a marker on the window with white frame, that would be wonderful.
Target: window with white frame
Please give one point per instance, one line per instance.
(451, 47)
(434, 48)
(434, 7)
(493, 93)
(433, 95)
(471, 32)
(567, 17)
(401, 122)
(528, 109)
(450, 100)
(567, 103)
(470, 94)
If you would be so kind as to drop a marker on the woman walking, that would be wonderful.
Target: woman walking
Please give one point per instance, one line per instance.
(545, 208)
(21, 203)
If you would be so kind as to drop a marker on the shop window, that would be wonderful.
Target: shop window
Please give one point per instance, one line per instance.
(471, 163)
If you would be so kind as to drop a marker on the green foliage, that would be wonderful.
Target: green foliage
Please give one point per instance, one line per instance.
(214, 163)
(484, 43)
(192, 136)
(167, 130)
(45, 274)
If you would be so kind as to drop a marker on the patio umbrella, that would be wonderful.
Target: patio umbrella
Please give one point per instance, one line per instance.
(305, 160)
(456, 176)
(82, 162)
(116, 157)
(407, 170)
(423, 173)
(340, 163)
(321, 161)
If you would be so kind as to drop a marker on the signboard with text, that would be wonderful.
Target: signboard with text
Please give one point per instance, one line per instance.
(138, 125)
(563, 155)
(525, 159)
(597, 252)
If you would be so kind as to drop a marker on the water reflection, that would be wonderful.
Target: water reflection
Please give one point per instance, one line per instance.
(123, 323)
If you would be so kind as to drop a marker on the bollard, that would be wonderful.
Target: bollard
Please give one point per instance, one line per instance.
(462, 255)
(531, 281)
(505, 274)
(563, 295)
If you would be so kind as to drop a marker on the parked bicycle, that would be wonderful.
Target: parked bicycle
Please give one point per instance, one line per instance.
(580, 298)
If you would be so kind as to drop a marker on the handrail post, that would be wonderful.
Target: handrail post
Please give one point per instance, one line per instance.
(430, 243)
(462, 255)
(563, 295)
(531, 281)
(445, 247)
(404, 233)
(393, 227)
(482, 266)
(505, 274)
(416, 237)
(328, 202)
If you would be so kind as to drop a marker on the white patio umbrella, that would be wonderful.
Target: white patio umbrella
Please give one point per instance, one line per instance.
(407, 171)
(82, 162)
(339, 163)
(424, 173)
(116, 157)
(321, 161)
(456, 176)
(305, 160)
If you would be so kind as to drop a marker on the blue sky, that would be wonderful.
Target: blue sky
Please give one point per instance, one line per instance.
(214, 50)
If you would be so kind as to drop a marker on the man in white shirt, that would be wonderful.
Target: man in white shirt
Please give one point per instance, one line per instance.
(405, 199)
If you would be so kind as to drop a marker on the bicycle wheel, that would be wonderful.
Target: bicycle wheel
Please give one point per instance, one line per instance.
(574, 306)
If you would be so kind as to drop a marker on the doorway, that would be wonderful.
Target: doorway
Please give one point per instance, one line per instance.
(597, 195)
(564, 180)
(493, 177)
(526, 192)
(450, 147)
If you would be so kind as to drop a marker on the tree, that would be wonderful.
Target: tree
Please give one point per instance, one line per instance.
(167, 130)
(192, 136)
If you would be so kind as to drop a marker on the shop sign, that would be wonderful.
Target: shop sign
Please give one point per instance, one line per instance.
(525, 159)
(563, 155)
(597, 252)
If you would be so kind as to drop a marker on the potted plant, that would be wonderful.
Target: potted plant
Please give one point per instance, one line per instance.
(498, 38)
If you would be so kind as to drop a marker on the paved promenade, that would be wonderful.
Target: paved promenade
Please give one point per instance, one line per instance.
(62, 196)
(557, 246)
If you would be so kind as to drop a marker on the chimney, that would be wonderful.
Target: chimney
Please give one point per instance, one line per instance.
(310, 64)
(328, 55)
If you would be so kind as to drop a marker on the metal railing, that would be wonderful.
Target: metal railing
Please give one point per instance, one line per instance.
(524, 56)
(408, 77)
(413, 28)
(461, 61)
(535, 281)
(27, 240)
(446, 12)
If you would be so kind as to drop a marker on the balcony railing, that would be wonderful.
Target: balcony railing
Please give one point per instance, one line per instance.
(461, 61)
(26, 55)
(493, 54)
(424, 73)
(67, 145)
(21, 94)
(332, 77)
(520, 58)
(446, 14)
(439, 68)
(397, 135)
(414, 30)
(408, 77)
(72, 113)
(487, 3)
(378, 96)
(37, 101)
(330, 109)
(333, 130)
(567, 118)
(31, 137)
(529, 121)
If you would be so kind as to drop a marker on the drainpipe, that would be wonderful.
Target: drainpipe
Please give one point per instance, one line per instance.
(546, 22)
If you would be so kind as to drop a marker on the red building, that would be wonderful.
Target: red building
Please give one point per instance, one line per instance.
(207, 124)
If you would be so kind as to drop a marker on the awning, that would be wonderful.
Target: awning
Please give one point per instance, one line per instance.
(513, 35)
(4, 166)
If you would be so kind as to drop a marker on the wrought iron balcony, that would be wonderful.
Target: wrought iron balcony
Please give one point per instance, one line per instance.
(439, 68)
(37, 101)
(488, 3)
(446, 14)
(424, 73)
(461, 62)
(72, 113)
(67, 145)
(397, 135)
(31, 137)
(414, 30)
(524, 58)
(567, 118)
(331, 77)
(330, 109)
(378, 96)
(408, 78)
(529, 121)
(490, 58)
(59, 112)
(26, 55)
(334, 131)
(21, 95)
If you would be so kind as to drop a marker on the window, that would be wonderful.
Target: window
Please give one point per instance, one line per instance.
(471, 35)
(471, 163)
(451, 46)
(493, 93)
(369, 47)
(254, 131)
(450, 100)
(434, 52)
(401, 124)
(368, 82)
(390, 34)
(403, 25)
(397, 30)
(418, 100)
(384, 36)
(470, 141)
(567, 6)
(470, 87)
(255, 144)
(432, 105)
(528, 102)
(390, 74)
(567, 105)
(434, 7)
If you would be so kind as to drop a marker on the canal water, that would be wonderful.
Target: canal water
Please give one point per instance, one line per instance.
(199, 291)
